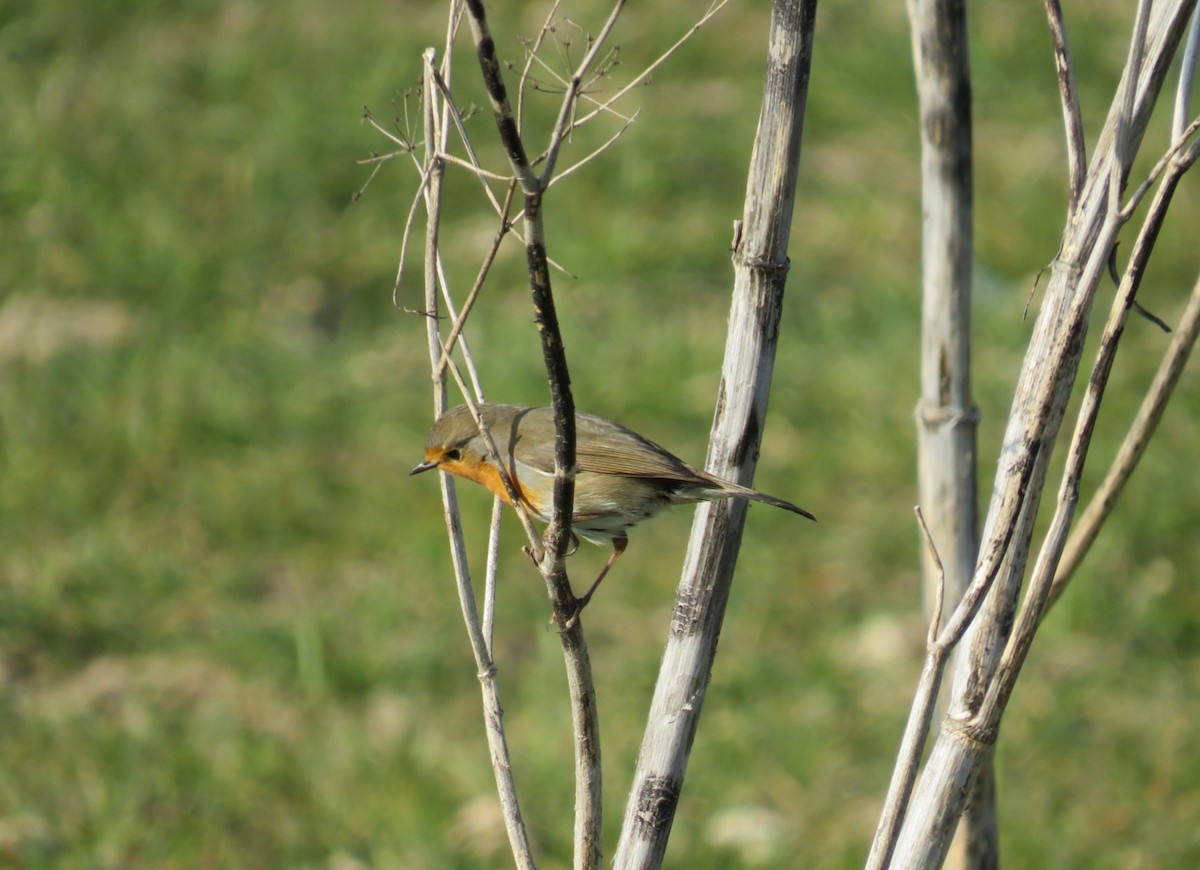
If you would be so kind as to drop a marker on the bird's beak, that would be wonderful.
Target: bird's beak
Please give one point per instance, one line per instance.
(424, 466)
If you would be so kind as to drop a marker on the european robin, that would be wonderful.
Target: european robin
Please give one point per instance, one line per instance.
(621, 477)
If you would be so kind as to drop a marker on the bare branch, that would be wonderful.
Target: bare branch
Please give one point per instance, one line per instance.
(1140, 433)
(916, 730)
(1039, 406)
(1187, 77)
(1043, 575)
(485, 267)
(908, 759)
(641, 77)
(404, 146)
(478, 171)
(563, 126)
(760, 260)
(1176, 147)
(1123, 151)
(377, 160)
(946, 414)
(480, 645)
(474, 164)
(493, 80)
(575, 167)
(531, 54)
(490, 574)
(585, 722)
(465, 347)
(1069, 95)
(935, 620)
(405, 235)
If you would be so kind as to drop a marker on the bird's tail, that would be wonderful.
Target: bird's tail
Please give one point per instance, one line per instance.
(738, 490)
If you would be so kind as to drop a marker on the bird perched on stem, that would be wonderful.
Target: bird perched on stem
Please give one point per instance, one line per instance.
(621, 478)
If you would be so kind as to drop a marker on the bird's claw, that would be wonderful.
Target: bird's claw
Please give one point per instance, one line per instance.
(577, 605)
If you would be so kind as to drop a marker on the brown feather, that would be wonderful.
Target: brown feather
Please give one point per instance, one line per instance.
(602, 447)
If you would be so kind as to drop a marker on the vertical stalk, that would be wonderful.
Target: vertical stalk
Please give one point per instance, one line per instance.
(761, 264)
(947, 418)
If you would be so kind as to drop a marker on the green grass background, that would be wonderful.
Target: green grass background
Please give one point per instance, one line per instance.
(228, 632)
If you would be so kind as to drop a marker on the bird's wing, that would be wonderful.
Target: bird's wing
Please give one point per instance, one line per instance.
(604, 447)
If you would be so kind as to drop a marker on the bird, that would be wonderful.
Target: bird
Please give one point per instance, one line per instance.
(621, 479)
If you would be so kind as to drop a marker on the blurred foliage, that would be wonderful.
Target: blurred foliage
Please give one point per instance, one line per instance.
(228, 637)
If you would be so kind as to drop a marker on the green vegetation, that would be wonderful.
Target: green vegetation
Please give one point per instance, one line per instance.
(228, 635)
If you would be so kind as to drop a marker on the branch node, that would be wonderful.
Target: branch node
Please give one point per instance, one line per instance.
(775, 269)
(980, 738)
(933, 416)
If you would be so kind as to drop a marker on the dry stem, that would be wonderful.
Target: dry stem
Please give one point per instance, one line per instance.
(480, 643)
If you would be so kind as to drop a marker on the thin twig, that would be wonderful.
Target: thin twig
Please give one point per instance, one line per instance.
(438, 129)
(474, 166)
(562, 126)
(493, 80)
(908, 758)
(531, 53)
(406, 146)
(1136, 441)
(474, 163)
(1051, 550)
(1122, 152)
(1040, 402)
(938, 648)
(450, 111)
(584, 716)
(480, 644)
(376, 159)
(490, 575)
(1176, 147)
(478, 171)
(606, 105)
(405, 235)
(461, 319)
(575, 167)
(1069, 95)
(937, 654)
(583, 96)
(453, 21)
(1140, 433)
(1187, 77)
(463, 344)
(648, 71)
(935, 619)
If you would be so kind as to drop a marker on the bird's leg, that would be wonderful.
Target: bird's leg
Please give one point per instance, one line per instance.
(620, 542)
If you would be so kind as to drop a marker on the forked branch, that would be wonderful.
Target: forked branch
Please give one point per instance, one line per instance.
(1138, 438)
(996, 649)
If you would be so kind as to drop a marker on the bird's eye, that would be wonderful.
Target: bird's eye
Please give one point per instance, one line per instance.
(453, 455)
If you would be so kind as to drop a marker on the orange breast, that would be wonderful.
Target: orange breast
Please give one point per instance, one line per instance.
(488, 475)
